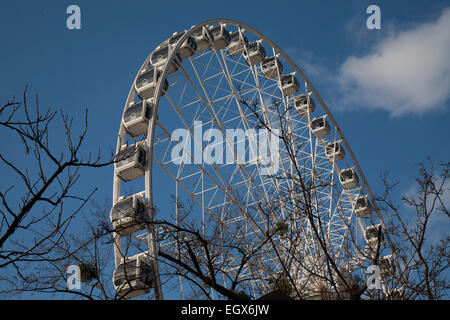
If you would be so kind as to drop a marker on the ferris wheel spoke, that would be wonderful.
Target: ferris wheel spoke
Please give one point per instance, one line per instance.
(224, 189)
(226, 71)
(209, 105)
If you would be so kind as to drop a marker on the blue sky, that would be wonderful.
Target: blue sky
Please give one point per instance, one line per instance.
(388, 119)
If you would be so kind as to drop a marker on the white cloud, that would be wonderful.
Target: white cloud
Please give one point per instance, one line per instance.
(407, 72)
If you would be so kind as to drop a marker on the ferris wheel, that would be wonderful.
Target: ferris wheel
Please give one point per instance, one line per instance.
(220, 127)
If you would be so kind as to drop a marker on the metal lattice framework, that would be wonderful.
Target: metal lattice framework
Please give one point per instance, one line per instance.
(218, 89)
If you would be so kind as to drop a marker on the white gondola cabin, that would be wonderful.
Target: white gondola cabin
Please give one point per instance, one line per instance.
(302, 106)
(133, 276)
(130, 162)
(129, 215)
(386, 265)
(272, 67)
(187, 49)
(373, 233)
(202, 37)
(237, 42)
(335, 150)
(159, 58)
(136, 117)
(348, 178)
(289, 84)
(362, 206)
(220, 36)
(320, 127)
(395, 294)
(147, 82)
(255, 53)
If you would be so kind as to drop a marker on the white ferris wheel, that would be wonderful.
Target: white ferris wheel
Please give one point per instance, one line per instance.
(220, 120)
